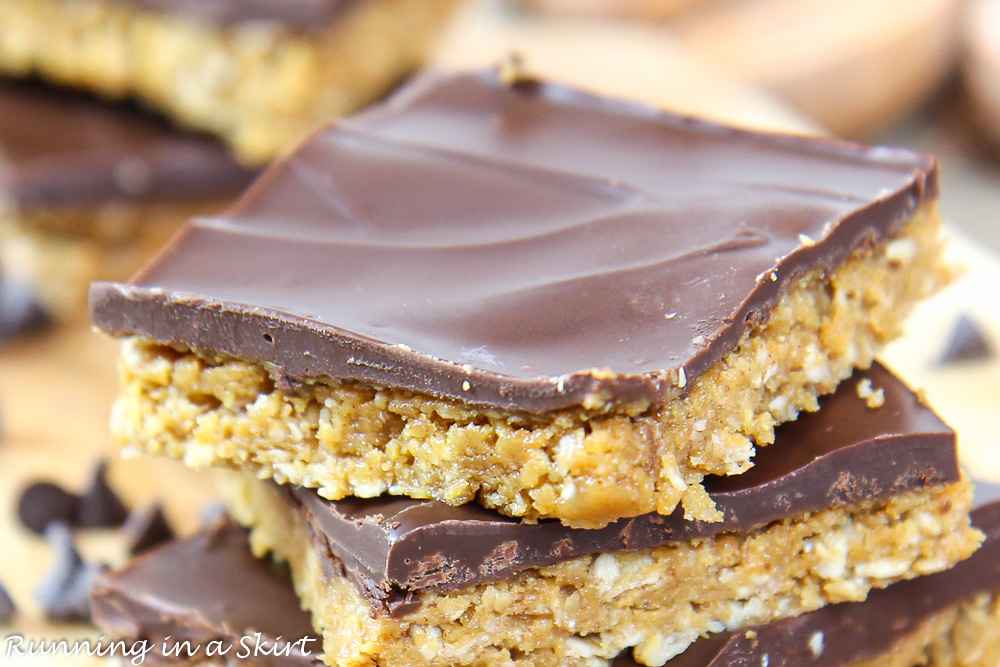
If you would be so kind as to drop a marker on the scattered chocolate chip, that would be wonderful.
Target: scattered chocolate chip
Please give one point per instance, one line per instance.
(20, 311)
(99, 505)
(967, 343)
(212, 513)
(65, 592)
(45, 502)
(7, 609)
(145, 528)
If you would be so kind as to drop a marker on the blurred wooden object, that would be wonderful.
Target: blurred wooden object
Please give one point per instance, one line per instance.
(852, 65)
(982, 64)
(641, 61)
(649, 10)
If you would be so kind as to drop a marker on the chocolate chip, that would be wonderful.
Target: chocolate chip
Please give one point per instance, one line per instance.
(99, 505)
(212, 513)
(7, 609)
(145, 528)
(65, 592)
(966, 343)
(45, 502)
(20, 311)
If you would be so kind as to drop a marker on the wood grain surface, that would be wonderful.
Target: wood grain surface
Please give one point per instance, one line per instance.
(56, 390)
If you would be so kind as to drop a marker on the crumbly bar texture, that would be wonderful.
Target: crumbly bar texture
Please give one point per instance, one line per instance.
(258, 85)
(585, 468)
(118, 661)
(974, 639)
(60, 251)
(966, 635)
(587, 610)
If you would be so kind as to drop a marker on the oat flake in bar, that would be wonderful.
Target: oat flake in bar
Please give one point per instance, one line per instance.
(513, 292)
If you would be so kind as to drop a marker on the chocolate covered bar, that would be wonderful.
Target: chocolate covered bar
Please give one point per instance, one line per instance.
(942, 620)
(257, 73)
(88, 190)
(499, 290)
(865, 497)
(208, 588)
(947, 619)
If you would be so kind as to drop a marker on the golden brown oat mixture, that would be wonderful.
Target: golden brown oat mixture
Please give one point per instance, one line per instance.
(260, 85)
(587, 610)
(966, 635)
(973, 640)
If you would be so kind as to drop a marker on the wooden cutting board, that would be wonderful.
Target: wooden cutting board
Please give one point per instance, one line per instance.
(56, 390)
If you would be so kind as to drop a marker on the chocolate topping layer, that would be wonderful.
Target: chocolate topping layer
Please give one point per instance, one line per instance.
(842, 455)
(247, 593)
(296, 13)
(527, 247)
(59, 148)
(207, 588)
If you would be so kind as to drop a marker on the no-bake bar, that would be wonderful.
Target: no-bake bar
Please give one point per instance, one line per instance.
(88, 191)
(866, 497)
(209, 587)
(499, 290)
(258, 73)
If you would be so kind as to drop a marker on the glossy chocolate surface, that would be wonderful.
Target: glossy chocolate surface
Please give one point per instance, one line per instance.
(527, 247)
(207, 588)
(60, 148)
(297, 13)
(845, 454)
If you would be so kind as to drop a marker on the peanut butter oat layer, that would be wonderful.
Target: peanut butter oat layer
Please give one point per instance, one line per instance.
(257, 73)
(89, 190)
(512, 292)
(585, 611)
(396, 581)
(950, 619)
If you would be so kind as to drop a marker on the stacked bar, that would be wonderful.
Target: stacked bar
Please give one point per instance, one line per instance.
(557, 305)
(257, 73)
(528, 366)
(88, 190)
(91, 189)
(950, 618)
